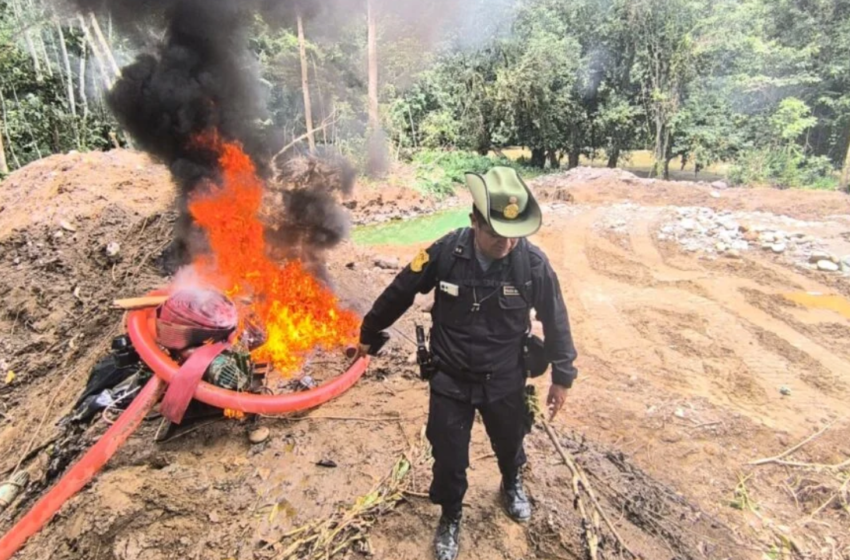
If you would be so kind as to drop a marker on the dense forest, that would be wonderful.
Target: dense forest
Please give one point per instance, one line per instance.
(762, 85)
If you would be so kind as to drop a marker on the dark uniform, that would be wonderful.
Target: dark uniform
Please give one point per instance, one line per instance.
(479, 321)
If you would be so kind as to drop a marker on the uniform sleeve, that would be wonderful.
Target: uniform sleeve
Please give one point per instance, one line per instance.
(399, 296)
(552, 312)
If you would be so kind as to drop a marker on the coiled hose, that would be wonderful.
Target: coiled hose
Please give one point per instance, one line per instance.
(140, 326)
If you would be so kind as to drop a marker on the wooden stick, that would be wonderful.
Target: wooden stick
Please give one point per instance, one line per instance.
(578, 476)
(139, 302)
(793, 449)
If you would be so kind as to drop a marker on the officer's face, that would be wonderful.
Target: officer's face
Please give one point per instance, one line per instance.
(490, 243)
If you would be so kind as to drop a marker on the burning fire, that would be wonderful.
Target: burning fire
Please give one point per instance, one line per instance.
(297, 312)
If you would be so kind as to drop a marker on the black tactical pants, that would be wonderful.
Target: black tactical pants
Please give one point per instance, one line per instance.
(449, 427)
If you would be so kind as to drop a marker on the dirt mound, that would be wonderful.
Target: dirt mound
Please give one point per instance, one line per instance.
(601, 186)
(76, 231)
(77, 186)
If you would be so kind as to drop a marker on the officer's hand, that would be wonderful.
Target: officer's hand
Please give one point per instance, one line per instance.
(555, 400)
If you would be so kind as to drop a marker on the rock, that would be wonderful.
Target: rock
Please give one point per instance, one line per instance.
(767, 237)
(846, 260)
(817, 256)
(327, 463)
(259, 435)
(786, 391)
(715, 194)
(112, 249)
(732, 254)
(680, 413)
(720, 247)
(213, 517)
(740, 245)
(306, 383)
(59, 234)
(828, 266)
(730, 225)
(751, 236)
(351, 265)
(778, 247)
(67, 226)
(387, 264)
(720, 185)
(688, 224)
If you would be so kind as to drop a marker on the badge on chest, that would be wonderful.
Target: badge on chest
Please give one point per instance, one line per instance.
(449, 289)
(510, 291)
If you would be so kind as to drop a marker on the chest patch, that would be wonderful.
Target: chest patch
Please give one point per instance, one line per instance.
(450, 289)
(510, 291)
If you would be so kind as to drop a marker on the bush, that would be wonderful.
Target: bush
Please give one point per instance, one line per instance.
(783, 169)
(438, 172)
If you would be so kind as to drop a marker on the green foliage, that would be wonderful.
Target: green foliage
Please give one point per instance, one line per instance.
(439, 172)
(784, 169)
(761, 84)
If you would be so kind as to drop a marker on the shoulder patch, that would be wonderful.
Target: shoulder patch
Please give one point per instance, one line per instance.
(419, 261)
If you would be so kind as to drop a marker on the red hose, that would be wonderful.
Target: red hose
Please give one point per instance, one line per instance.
(140, 326)
(83, 471)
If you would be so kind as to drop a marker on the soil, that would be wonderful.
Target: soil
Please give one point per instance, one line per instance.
(681, 363)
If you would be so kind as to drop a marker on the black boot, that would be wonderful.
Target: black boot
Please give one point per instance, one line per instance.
(514, 498)
(447, 539)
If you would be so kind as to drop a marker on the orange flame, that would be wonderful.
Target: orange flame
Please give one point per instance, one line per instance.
(297, 311)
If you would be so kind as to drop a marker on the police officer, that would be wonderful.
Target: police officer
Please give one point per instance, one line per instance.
(487, 278)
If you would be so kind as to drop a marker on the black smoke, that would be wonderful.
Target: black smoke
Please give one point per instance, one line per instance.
(201, 77)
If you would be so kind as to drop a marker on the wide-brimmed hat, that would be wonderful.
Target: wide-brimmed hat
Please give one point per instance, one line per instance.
(505, 201)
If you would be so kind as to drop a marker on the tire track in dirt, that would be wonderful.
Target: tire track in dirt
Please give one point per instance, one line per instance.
(701, 338)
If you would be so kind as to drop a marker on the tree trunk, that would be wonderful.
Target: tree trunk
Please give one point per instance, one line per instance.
(613, 156)
(6, 131)
(98, 57)
(43, 46)
(660, 155)
(844, 184)
(4, 167)
(105, 46)
(573, 160)
(373, 64)
(18, 12)
(323, 114)
(554, 160)
(84, 102)
(305, 86)
(413, 127)
(538, 157)
(66, 63)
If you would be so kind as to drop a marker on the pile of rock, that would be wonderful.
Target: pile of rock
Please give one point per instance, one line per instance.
(729, 234)
(703, 229)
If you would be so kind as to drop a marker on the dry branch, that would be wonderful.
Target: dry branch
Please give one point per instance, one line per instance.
(794, 448)
(324, 538)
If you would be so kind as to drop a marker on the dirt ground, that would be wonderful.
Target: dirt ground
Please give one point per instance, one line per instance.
(682, 358)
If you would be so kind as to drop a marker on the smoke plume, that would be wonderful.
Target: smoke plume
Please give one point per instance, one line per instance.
(201, 77)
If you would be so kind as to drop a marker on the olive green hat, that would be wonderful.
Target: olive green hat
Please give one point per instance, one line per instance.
(505, 202)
